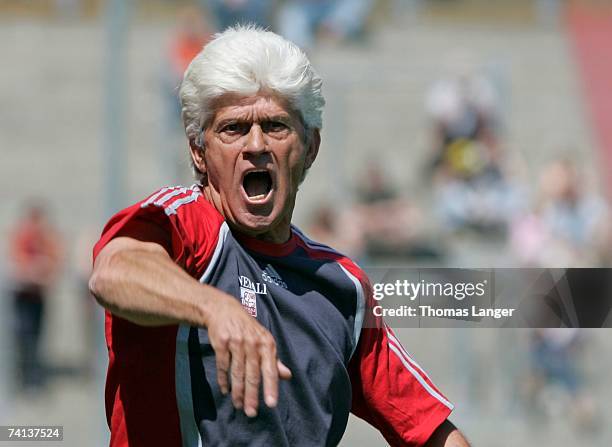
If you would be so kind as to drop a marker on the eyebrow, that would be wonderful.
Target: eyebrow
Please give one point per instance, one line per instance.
(283, 118)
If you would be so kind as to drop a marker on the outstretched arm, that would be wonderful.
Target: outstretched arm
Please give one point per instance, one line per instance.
(138, 281)
(447, 435)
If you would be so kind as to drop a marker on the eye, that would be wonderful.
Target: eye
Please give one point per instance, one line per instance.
(274, 126)
(235, 129)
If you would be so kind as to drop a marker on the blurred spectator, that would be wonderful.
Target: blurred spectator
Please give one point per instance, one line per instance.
(472, 186)
(35, 257)
(555, 359)
(337, 229)
(391, 224)
(485, 203)
(230, 12)
(379, 224)
(302, 20)
(569, 226)
(190, 35)
(464, 108)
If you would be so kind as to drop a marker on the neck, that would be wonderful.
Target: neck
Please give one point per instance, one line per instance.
(279, 235)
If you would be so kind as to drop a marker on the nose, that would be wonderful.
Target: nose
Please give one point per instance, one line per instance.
(255, 143)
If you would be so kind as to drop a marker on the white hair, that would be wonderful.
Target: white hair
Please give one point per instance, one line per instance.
(245, 60)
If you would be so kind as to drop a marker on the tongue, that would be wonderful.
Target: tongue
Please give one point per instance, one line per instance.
(256, 185)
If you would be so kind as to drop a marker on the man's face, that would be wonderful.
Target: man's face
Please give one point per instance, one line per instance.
(256, 153)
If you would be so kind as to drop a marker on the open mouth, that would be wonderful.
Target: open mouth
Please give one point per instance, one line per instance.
(257, 185)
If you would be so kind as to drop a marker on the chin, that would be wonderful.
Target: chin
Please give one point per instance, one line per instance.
(254, 224)
(255, 227)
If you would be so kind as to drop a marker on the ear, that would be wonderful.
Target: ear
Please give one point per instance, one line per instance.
(313, 148)
(197, 155)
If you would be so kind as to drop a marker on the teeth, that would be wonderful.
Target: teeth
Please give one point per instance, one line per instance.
(258, 197)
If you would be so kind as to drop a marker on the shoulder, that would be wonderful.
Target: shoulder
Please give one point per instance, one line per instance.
(183, 203)
(317, 250)
(173, 198)
(180, 206)
(182, 218)
(356, 275)
(196, 220)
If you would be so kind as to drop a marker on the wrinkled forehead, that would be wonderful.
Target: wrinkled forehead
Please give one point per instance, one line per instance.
(261, 106)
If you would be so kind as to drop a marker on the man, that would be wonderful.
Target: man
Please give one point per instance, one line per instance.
(303, 20)
(225, 324)
(35, 255)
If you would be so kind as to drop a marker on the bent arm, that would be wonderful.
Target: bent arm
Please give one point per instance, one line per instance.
(138, 281)
(447, 435)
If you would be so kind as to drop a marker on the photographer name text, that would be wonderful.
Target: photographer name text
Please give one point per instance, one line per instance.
(434, 312)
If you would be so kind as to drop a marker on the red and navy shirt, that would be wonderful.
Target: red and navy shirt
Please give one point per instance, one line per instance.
(161, 385)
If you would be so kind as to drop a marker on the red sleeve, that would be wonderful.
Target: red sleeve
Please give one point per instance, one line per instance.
(391, 391)
(141, 374)
(150, 224)
(179, 219)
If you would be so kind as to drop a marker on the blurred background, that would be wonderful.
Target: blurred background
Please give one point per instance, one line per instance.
(457, 133)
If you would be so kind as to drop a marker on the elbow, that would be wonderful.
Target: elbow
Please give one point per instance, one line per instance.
(447, 435)
(99, 286)
(104, 277)
(115, 268)
(95, 284)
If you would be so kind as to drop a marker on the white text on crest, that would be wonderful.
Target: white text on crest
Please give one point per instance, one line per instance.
(256, 287)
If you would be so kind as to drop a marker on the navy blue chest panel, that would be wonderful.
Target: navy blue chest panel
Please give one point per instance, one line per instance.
(309, 306)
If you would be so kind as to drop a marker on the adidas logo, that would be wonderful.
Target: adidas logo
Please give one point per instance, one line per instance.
(270, 275)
